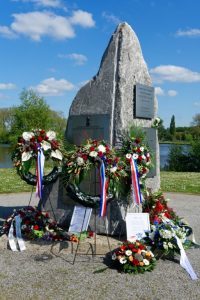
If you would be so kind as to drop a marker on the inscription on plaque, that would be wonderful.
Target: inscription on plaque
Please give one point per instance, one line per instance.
(144, 101)
(83, 127)
(151, 140)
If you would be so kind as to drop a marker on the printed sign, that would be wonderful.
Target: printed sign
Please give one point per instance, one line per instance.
(80, 219)
(137, 224)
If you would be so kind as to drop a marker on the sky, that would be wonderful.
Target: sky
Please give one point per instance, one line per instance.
(55, 47)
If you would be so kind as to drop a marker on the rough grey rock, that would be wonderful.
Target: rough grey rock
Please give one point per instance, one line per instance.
(111, 93)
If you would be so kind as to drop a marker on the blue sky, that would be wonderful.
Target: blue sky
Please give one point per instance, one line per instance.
(54, 46)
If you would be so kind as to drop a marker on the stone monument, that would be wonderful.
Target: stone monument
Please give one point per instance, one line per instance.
(120, 95)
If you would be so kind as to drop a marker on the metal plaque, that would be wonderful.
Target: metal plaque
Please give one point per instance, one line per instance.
(144, 101)
(83, 127)
(151, 136)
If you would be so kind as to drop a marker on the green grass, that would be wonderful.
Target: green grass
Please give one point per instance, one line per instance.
(10, 182)
(182, 182)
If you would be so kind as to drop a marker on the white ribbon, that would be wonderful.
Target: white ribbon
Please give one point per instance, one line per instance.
(11, 238)
(184, 261)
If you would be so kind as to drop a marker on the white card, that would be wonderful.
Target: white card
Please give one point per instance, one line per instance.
(80, 219)
(137, 224)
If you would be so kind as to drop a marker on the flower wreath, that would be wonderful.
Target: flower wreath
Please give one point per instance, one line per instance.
(87, 156)
(133, 145)
(26, 151)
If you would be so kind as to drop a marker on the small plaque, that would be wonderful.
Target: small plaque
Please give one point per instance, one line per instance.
(137, 224)
(83, 127)
(80, 219)
(144, 101)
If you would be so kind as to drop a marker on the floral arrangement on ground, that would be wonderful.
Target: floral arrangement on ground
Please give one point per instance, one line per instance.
(133, 257)
(166, 227)
(36, 225)
(26, 151)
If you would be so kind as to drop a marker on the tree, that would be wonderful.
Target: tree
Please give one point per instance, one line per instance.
(6, 120)
(35, 113)
(196, 120)
(172, 127)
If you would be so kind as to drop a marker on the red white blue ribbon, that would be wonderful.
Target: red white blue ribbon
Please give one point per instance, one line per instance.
(103, 190)
(39, 172)
(137, 197)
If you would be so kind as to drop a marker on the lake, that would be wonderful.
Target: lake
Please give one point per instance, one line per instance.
(5, 160)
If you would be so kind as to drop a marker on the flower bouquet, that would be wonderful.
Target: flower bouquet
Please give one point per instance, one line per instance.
(134, 257)
(36, 225)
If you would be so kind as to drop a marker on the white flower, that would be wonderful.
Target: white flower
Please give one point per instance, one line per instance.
(80, 161)
(57, 154)
(141, 149)
(143, 157)
(135, 156)
(101, 148)
(114, 256)
(51, 135)
(170, 245)
(123, 260)
(152, 255)
(165, 246)
(113, 169)
(128, 156)
(128, 252)
(148, 155)
(27, 136)
(93, 154)
(45, 145)
(166, 234)
(132, 239)
(26, 156)
(146, 262)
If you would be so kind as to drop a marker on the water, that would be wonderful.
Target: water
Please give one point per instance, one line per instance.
(5, 156)
(164, 152)
(5, 160)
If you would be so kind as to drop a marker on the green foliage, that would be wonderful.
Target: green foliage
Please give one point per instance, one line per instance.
(33, 113)
(172, 127)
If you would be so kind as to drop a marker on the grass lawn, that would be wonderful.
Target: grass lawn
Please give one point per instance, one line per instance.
(10, 182)
(181, 182)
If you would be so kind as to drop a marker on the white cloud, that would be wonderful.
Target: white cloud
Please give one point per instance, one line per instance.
(79, 59)
(197, 103)
(174, 74)
(44, 3)
(159, 91)
(37, 24)
(82, 18)
(172, 93)
(195, 32)
(111, 18)
(53, 87)
(7, 86)
(5, 31)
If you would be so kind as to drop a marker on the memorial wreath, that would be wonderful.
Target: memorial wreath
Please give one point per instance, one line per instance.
(82, 159)
(26, 152)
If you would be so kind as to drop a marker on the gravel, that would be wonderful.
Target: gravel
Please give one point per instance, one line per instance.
(45, 272)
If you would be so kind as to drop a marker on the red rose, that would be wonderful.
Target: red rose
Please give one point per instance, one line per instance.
(123, 248)
(156, 219)
(117, 160)
(46, 138)
(32, 139)
(107, 149)
(36, 227)
(42, 131)
(135, 262)
(141, 247)
(159, 207)
(92, 148)
(90, 234)
(100, 153)
(138, 150)
(40, 139)
(140, 158)
(167, 215)
(84, 157)
(95, 143)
